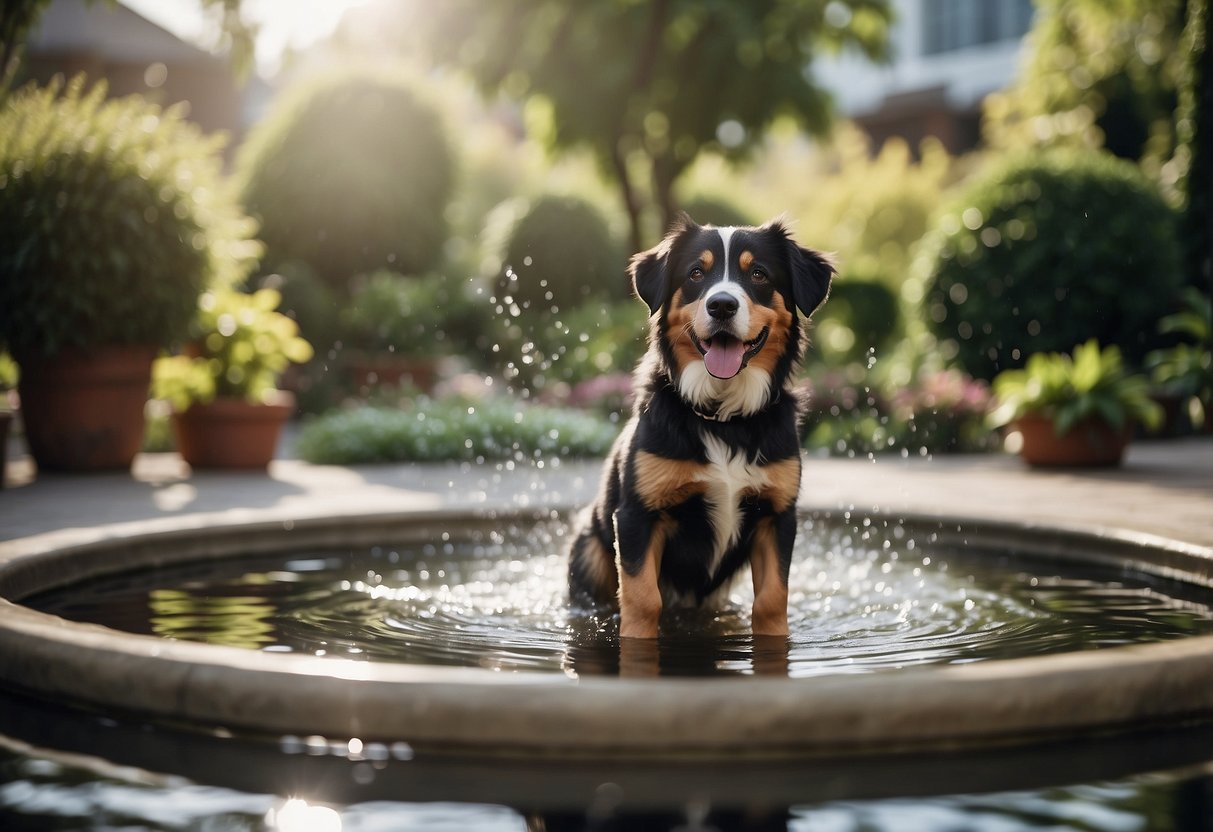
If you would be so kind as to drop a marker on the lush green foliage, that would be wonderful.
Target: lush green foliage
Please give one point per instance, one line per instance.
(861, 318)
(1044, 251)
(1193, 160)
(349, 173)
(113, 218)
(537, 349)
(423, 316)
(1099, 73)
(559, 253)
(613, 76)
(1186, 369)
(871, 210)
(499, 429)
(241, 347)
(1091, 384)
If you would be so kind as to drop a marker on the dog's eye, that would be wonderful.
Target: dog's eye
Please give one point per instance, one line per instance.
(758, 276)
(696, 274)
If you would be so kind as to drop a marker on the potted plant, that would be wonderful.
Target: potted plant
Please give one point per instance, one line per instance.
(1183, 374)
(113, 219)
(1074, 410)
(228, 412)
(398, 327)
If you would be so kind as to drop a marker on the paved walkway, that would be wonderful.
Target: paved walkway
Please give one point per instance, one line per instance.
(1164, 488)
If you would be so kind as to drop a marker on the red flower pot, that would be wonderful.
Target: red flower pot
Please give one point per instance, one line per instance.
(231, 433)
(1089, 443)
(83, 409)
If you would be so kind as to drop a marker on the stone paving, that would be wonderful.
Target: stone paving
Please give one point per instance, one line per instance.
(1164, 488)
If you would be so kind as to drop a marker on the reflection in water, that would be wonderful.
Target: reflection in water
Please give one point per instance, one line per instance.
(229, 620)
(861, 599)
(40, 793)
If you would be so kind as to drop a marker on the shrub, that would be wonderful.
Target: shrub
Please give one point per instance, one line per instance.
(498, 429)
(350, 172)
(559, 253)
(532, 350)
(425, 316)
(1046, 251)
(862, 317)
(870, 209)
(113, 218)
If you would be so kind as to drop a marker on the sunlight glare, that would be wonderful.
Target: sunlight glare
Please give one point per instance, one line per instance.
(299, 816)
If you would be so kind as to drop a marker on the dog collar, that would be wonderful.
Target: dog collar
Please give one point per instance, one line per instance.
(716, 417)
(711, 417)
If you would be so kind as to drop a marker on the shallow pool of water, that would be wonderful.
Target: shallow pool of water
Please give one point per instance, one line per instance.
(863, 598)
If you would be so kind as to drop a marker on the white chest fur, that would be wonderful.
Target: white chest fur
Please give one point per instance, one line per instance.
(729, 477)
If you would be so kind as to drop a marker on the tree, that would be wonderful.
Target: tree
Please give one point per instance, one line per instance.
(649, 84)
(1098, 73)
(1194, 129)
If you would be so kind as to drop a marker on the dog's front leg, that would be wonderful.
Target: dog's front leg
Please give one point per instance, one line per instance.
(640, 537)
(770, 560)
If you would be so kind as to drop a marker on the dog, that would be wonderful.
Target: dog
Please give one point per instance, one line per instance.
(704, 477)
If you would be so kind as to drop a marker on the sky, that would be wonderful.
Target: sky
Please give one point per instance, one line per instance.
(283, 23)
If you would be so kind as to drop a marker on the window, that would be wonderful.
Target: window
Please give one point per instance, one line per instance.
(948, 25)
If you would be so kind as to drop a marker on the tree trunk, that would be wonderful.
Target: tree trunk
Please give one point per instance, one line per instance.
(630, 203)
(665, 172)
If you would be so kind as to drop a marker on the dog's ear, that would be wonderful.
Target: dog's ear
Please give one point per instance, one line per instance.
(811, 272)
(649, 270)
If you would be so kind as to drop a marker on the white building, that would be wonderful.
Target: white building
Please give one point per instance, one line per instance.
(946, 56)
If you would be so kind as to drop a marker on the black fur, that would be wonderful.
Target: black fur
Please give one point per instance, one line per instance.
(618, 528)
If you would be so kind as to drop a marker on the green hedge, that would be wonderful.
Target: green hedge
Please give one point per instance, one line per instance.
(459, 431)
(114, 216)
(350, 172)
(560, 253)
(1046, 251)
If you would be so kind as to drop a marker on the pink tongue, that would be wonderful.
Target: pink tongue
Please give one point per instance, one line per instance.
(723, 357)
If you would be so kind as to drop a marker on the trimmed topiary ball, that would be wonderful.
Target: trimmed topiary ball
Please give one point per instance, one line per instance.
(113, 218)
(560, 253)
(350, 173)
(862, 317)
(1047, 251)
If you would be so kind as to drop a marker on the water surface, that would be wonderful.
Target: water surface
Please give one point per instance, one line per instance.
(865, 598)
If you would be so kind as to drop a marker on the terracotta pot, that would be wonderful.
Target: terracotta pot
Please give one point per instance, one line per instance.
(231, 433)
(1089, 443)
(371, 371)
(83, 409)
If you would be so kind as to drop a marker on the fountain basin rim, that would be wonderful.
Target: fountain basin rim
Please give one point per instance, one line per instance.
(453, 710)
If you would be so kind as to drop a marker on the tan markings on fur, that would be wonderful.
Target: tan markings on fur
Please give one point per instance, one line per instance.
(779, 320)
(599, 565)
(770, 614)
(746, 260)
(663, 482)
(707, 260)
(639, 594)
(783, 482)
(678, 329)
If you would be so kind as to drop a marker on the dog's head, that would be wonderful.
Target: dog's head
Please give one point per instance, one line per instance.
(727, 304)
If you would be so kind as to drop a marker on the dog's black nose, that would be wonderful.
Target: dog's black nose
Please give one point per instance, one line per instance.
(722, 307)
